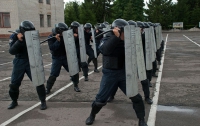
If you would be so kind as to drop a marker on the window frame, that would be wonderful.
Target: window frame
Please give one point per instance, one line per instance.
(2, 17)
(41, 21)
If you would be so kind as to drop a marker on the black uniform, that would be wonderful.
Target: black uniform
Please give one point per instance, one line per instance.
(21, 66)
(114, 76)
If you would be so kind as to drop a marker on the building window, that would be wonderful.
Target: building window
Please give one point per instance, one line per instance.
(49, 20)
(40, 1)
(4, 20)
(48, 1)
(41, 20)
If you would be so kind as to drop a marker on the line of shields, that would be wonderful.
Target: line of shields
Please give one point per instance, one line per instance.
(135, 64)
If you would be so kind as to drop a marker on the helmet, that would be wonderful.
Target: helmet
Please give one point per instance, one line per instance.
(53, 31)
(106, 23)
(101, 26)
(146, 25)
(26, 26)
(88, 25)
(75, 24)
(131, 22)
(151, 24)
(60, 27)
(120, 23)
(140, 24)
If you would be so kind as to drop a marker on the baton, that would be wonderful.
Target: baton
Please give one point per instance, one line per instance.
(47, 39)
(104, 33)
(13, 32)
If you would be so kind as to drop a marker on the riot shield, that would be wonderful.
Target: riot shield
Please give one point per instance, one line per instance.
(148, 49)
(140, 55)
(158, 42)
(153, 43)
(130, 60)
(94, 43)
(35, 57)
(70, 48)
(82, 44)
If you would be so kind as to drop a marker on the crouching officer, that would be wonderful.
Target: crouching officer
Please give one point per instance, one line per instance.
(21, 66)
(114, 73)
(59, 58)
(83, 65)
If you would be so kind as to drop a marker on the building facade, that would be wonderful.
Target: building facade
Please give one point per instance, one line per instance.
(43, 13)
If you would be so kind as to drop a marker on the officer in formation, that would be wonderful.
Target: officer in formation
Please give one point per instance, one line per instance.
(59, 58)
(114, 73)
(98, 31)
(21, 65)
(145, 83)
(89, 50)
(83, 65)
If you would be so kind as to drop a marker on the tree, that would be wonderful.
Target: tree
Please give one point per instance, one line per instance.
(71, 12)
(160, 11)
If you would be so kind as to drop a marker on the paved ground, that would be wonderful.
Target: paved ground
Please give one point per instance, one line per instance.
(178, 103)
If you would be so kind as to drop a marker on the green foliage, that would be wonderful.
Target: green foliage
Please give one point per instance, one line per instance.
(162, 11)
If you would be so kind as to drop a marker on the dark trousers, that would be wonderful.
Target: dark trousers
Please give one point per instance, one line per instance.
(82, 65)
(57, 63)
(113, 79)
(20, 67)
(158, 55)
(154, 67)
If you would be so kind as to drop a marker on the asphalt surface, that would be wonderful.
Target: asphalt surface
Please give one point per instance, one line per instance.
(178, 104)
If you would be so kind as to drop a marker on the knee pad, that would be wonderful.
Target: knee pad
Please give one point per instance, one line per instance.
(136, 98)
(99, 104)
(145, 82)
(14, 88)
(84, 64)
(52, 79)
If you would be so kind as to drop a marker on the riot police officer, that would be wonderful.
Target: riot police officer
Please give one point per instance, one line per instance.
(114, 73)
(83, 65)
(145, 83)
(98, 31)
(89, 50)
(59, 58)
(21, 66)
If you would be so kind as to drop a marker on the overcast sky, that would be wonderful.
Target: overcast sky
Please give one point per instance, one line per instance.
(83, 0)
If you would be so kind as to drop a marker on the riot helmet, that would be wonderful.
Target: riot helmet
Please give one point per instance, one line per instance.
(106, 23)
(146, 25)
(75, 24)
(26, 26)
(88, 26)
(140, 24)
(60, 27)
(120, 23)
(151, 24)
(101, 26)
(53, 31)
(131, 22)
(17, 31)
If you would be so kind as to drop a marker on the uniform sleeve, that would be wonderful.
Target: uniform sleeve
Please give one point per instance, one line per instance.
(53, 44)
(108, 44)
(16, 47)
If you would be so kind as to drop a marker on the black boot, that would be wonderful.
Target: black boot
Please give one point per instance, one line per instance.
(94, 111)
(13, 105)
(76, 88)
(43, 105)
(86, 78)
(50, 83)
(42, 96)
(14, 94)
(145, 87)
(95, 65)
(142, 122)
